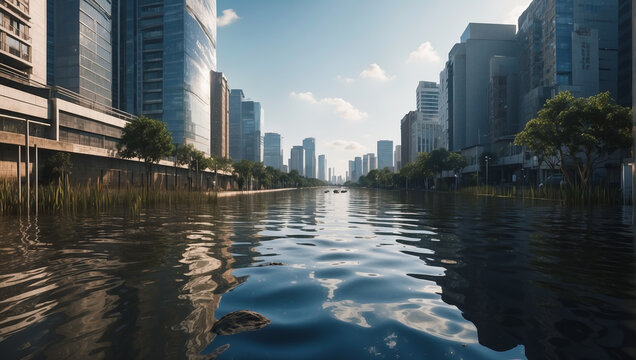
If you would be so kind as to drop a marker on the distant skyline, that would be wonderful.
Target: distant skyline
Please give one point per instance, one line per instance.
(348, 76)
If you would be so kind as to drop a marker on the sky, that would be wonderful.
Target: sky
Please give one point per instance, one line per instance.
(342, 71)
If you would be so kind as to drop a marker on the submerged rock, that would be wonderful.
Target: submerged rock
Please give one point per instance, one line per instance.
(239, 321)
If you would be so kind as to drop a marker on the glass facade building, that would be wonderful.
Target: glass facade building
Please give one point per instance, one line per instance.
(235, 129)
(567, 45)
(79, 47)
(385, 154)
(252, 121)
(296, 160)
(309, 144)
(166, 52)
(273, 153)
(322, 166)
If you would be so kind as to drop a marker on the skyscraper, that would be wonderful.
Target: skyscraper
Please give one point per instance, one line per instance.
(373, 163)
(296, 159)
(357, 171)
(322, 165)
(79, 47)
(418, 135)
(165, 52)
(365, 164)
(252, 121)
(236, 127)
(427, 97)
(397, 157)
(220, 115)
(578, 54)
(309, 144)
(466, 79)
(385, 154)
(625, 58)
(273, 155)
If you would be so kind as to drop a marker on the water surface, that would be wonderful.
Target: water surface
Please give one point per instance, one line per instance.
(365, 274)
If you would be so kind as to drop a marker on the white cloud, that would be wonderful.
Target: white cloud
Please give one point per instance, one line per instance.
(347, 145)
(374, 71)
(305, 96)
(340, 107)
(512, 17)
(228, 17)
(348, 80)
(424, 53)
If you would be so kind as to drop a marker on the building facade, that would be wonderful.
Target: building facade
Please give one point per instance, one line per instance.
(397, 157)
(236, 127)
(23, 38)
(467, 80)
(418, 135)
(296, 162)
(79, 46)
(165, 53)
(273, 152)
(322, 165)
(385, 154)
(252, 123)
(373, 163)
(625, 54)
(566, 45)
(219, 116)
(309, 144)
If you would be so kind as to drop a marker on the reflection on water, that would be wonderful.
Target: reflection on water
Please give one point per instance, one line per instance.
(365, 274)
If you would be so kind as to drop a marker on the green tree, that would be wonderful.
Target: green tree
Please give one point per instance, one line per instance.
(243, 169)
(57, 166)
(146, 139)
(583, 130)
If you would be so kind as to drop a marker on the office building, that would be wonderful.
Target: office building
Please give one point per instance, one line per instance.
(79, 47)
(252, 124)
(467, 78)
(444, 112)
(397, 157)
(625, 54)
(365, 164)
(322, 165)
(579, 54)
(503, 94)
(418, 135)
(165, 54)
(273, 152)
(236, 127)
(297, 154)
(351, 170)
(373, 163)
(219, 116)
(23, 38)
(427, 95)
(357, 170)
(385, 154)
(309, 144)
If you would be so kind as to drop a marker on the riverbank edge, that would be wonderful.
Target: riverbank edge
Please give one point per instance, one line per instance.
(221, 194)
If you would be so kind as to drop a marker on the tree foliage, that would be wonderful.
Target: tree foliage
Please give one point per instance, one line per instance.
(577, 131)
(147, 139)
(57, 166)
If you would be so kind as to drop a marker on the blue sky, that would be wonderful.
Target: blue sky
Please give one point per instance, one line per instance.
(342, 71)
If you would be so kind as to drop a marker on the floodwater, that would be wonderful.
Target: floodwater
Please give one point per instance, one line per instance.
(361, 275)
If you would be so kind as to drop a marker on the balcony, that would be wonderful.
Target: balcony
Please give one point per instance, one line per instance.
(21, 6)
(18, 57)
(6, 25)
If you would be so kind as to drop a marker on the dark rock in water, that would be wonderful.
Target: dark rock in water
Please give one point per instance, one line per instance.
(239, 321)
(271, 264)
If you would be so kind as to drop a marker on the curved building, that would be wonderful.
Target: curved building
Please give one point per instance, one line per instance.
(165, 53)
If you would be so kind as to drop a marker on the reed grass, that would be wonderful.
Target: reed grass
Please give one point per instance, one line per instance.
(62, 197)
(571, 195)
